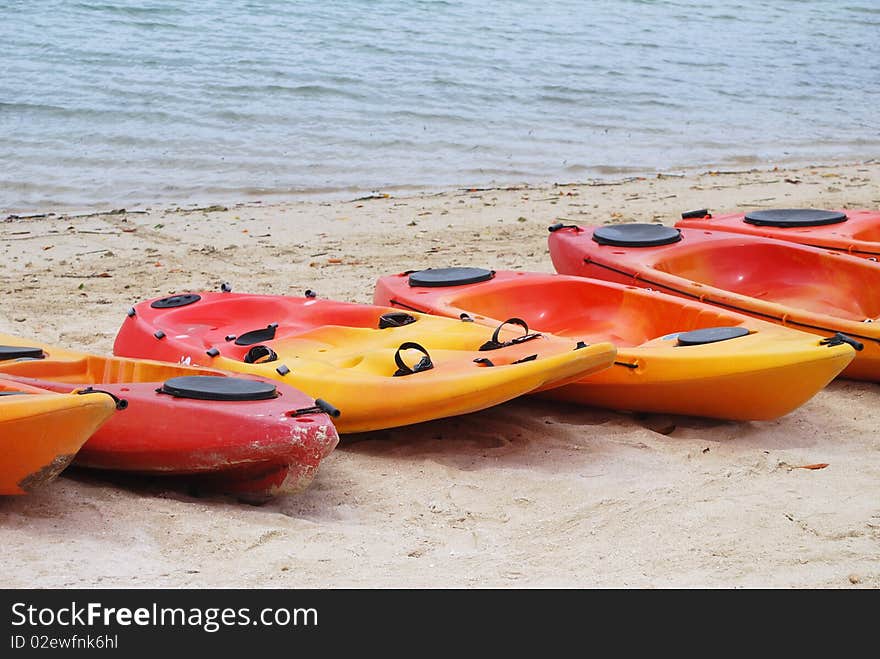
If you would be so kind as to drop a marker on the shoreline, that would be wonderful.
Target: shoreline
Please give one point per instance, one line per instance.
(348, 194)
(531, 493)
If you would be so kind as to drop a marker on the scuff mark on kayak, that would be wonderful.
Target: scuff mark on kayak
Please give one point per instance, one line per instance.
(50, 471)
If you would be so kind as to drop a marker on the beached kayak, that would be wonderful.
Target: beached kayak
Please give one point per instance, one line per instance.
(673, 355)
(41, 431)
(382, 367)
(238, 435)
(855, 232)
(827, 293)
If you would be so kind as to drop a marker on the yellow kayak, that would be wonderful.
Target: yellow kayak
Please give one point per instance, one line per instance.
(382, 368)
(675, 356)
(41, 432)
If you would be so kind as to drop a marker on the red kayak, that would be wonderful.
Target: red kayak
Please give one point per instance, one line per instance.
(240, 435)
(816, 290)
(855, 232)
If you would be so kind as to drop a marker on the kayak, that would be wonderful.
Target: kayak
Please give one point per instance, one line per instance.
(673, 355)
(382, 367)
(239, 435)
(855, 232)
(823, 292)
(41, 431)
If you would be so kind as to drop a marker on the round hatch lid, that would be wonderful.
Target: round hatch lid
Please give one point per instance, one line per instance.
(636, 235)
(437, 277)
(20, 352)
(176, 301)
(711, 335)
(794, 217)
(214, 387)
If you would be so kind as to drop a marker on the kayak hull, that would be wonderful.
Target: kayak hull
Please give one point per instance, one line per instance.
(41, 432)
(652, 372)
(341, 352)
(749, 395)
(805, 288)
(247, 447)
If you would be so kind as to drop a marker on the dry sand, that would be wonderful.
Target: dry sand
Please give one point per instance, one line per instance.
(527, 494)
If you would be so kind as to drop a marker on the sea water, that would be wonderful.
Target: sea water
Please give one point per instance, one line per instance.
(121, 102)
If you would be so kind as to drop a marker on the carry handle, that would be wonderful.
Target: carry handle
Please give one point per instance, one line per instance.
(321, 406)
(395, 319)
(260, 355)
(494, 343)
(553, 228)
(424, 363)
(121, 403)
(841, 338)
(699, 213)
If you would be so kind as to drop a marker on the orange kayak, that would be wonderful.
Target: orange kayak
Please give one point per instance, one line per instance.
(855, 232)
(673, 355)
(823, 292)
(383, 368)
(41, 432)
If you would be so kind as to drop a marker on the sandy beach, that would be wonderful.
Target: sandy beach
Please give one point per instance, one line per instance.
(528, 494)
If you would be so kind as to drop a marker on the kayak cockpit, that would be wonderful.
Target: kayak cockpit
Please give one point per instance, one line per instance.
(814, 280)
(592, 311)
